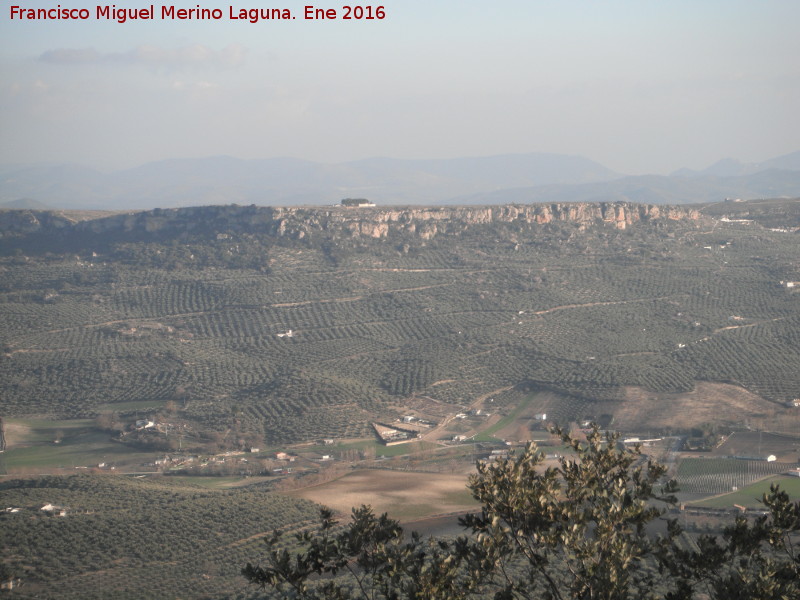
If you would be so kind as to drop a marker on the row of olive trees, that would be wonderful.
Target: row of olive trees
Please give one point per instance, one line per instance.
(574, 531)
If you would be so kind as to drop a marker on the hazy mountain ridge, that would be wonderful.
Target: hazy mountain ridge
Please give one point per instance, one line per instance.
(655, 189)
(288, 181)
(502, 179)
(730, 167)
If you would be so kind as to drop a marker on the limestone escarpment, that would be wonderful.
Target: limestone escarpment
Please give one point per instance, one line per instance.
(429, 222)
(297, 223)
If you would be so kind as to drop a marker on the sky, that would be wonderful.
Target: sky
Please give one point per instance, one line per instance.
(640, 86)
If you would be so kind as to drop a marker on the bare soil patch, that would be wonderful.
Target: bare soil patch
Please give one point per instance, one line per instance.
(707, 403)
(16, 433)
(404, 495)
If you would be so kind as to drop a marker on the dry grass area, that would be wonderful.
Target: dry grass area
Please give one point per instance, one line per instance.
(16, 433)
(707, 403)
(404, 495)
(756, 443)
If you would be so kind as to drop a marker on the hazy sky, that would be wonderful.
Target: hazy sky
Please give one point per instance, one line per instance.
(641, 86)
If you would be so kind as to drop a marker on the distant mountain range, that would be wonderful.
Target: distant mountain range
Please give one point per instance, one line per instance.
(518, 178)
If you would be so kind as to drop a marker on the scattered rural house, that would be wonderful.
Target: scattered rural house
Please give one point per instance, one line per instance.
(328, 442)
(144, 424)
(326, 457)
(54, 510)
(288, 334)
(281, 456)
(253, 450)
(540, 416)
(409, 419)
(790, 284)
(635, 440)
(459, 438)
(12, 509)
(393, 435)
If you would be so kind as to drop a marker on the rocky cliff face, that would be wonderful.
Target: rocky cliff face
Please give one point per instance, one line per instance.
(429, 222)
(297, 223)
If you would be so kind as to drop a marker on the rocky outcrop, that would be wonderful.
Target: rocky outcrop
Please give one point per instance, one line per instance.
(429, 222)
(298, 223)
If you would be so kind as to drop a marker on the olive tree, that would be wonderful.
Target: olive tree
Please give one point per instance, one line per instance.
(573, 530)
(753, 559)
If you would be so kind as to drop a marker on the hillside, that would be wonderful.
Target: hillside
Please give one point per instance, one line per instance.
(132, 538)
(292, 324)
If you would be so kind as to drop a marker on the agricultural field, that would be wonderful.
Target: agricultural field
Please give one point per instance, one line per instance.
(750, 496)
(137, 538)
(785, 448)
(249, 334)
(49, 446)
(723, 475)
(405, 495)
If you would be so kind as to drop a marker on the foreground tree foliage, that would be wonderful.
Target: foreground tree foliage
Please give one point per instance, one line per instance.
(751, 561)
(573, 531)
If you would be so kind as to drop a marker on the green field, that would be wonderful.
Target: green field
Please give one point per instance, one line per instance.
(375, 447)
(751, 495)
(720, 475)
(486, 435)
(32, 447)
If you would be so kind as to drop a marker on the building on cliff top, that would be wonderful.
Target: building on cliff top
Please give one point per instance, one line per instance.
(357, 203)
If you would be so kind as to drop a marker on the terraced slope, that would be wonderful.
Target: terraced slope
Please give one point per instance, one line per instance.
(249, 326)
